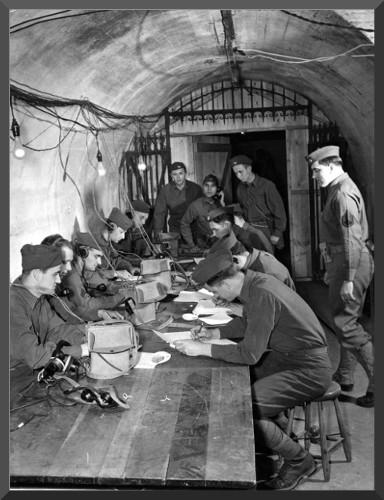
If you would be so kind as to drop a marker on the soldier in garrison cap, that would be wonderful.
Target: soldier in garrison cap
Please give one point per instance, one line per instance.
(135, 242)
(344, 236)
(115, 227)
(174, 199)
(198, 211)
(35, 329)
(257, 260)
(260, 200)
(282, 341)
(92, 294)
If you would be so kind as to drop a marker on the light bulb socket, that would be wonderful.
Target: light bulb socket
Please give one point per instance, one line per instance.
(99, 156)
(15, 128)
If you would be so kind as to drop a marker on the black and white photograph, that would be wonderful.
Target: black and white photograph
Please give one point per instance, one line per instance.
(191, 249)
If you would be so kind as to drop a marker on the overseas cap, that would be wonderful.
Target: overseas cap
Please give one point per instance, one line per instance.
(219, 211)
(117, 217)
(240, 160)
(237, 210)
(322, 153)
(86, 240)
(211, 178)
(176, 166)
(140, 206)
(225, 243)
(40, 257)
(211, 266)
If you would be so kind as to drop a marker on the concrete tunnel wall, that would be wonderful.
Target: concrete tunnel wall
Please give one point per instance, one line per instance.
(139, 62)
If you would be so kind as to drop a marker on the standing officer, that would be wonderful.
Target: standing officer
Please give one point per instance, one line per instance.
(261, 201)
(198, 211)
(348, 262)
(174, 198)
(284, 344)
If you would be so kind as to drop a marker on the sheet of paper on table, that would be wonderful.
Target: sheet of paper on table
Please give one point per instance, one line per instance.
(149, 360)
(171, 337)
(192, 296)
(207, 306)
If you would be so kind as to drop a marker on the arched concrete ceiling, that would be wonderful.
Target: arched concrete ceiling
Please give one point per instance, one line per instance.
(140, 61)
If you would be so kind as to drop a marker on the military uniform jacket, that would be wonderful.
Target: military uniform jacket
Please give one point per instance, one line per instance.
(82, 293)
(343, 222)
(264, 262)
(262, 204)
(274, 318)
(35, 328)
(176, 201)
(197, 211)
(249, 239)
(111, 258)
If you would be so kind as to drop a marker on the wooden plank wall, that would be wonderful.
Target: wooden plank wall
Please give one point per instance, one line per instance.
(298, 199)
(209, 162)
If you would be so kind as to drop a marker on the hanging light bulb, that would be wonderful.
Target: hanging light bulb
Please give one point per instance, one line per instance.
(141, 165)
(100, 166)
(18, 150)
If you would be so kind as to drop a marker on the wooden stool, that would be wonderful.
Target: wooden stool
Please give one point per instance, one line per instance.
(332, 394)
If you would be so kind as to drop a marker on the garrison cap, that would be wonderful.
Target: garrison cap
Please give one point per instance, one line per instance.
(240, 160)
(211, 178)
(140, 206)
(86, 240)
(219, 211)
(211, 266)
(117, 217)
(225, 243)
(40, 257)
(237, 210)
(322, 153)
(176, 166)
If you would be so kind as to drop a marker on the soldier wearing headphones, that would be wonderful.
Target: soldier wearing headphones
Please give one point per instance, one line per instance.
(89, 290)
(114, 231)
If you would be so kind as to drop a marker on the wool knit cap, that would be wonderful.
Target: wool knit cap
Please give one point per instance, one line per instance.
(219, 211)
(322, 153)
(86, 240)
(176, 166)
(212, 265)
(40, 257)
(117, 217)
(140, 206)
(225, 243)
(240, 160)
(211, 178)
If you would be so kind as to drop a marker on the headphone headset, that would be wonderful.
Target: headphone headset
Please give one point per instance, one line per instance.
(82, 251)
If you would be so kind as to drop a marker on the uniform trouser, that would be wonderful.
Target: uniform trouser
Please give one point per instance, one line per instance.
(282, 381)
(267, 232)
(351, 335)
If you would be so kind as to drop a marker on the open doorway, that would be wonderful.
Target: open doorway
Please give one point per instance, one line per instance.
(267, 150)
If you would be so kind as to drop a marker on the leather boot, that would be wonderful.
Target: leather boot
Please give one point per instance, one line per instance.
(293, 471)
(344, 373)
(365, 357)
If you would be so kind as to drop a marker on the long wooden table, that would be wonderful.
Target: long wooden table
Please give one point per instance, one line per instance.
(189, 425)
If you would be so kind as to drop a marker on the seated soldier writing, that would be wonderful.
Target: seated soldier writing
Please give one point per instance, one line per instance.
(35, 329)
(281, 340)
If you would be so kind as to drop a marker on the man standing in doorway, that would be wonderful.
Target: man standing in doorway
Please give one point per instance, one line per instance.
(174, 198)
(260, 200)
(348, 262)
